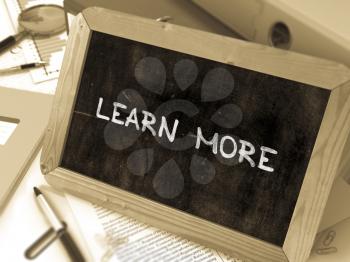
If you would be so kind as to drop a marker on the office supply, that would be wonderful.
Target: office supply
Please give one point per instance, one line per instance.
(30, 112)
(232, 144)
(313, 27)
(40, 20)
(43, 242)
(7, 127)
(71, 247)
(55, 222)
(58, 230)
(50, 49)
(108, 235)
(8, 59)
(317, 28)
(111, 236)
(22, 67)
(22, 220)
(332, 244)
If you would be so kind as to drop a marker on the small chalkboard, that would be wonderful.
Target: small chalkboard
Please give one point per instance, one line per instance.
(231, 144)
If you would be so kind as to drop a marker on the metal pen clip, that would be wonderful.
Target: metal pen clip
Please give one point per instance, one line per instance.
(43, 242)
(164, 19)
(58, 230)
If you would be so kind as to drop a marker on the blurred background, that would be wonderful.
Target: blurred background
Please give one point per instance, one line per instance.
(312, 27)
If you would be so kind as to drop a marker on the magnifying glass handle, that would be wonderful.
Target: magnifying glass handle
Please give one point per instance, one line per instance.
(11, 40)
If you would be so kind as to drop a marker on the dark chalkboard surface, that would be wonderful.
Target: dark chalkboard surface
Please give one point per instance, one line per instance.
(236, 103)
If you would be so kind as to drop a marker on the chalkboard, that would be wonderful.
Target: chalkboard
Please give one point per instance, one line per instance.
(224, 99)
(231, 144)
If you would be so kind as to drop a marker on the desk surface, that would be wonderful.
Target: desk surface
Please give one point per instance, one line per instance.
(22, 222)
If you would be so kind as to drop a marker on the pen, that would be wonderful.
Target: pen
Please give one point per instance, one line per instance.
(22, 67)
(58, 230)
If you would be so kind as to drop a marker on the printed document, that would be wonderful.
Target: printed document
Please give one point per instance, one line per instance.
(113, 237)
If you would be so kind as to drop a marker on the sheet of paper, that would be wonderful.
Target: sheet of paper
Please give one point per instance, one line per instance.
(12, 57)
(113, 237)
(15, 56)
(6, 130)
(49, 49)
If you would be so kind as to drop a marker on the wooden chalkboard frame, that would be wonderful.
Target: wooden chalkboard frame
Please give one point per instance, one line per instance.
(324, 159)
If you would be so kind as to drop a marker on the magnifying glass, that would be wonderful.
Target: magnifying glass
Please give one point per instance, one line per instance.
(39, 20)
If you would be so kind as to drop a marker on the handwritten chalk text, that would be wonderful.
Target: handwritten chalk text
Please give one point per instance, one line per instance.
(242, 148)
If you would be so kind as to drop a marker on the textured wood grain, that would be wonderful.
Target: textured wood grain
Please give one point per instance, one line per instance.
(321, 172)
(160, 216)
(344, 165)
(288, 65)
(260, 58)
(265, 102)
(65, 94)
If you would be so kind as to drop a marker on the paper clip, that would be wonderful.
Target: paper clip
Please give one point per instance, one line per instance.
(326, 250)
(329, 238)
(164, 19)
